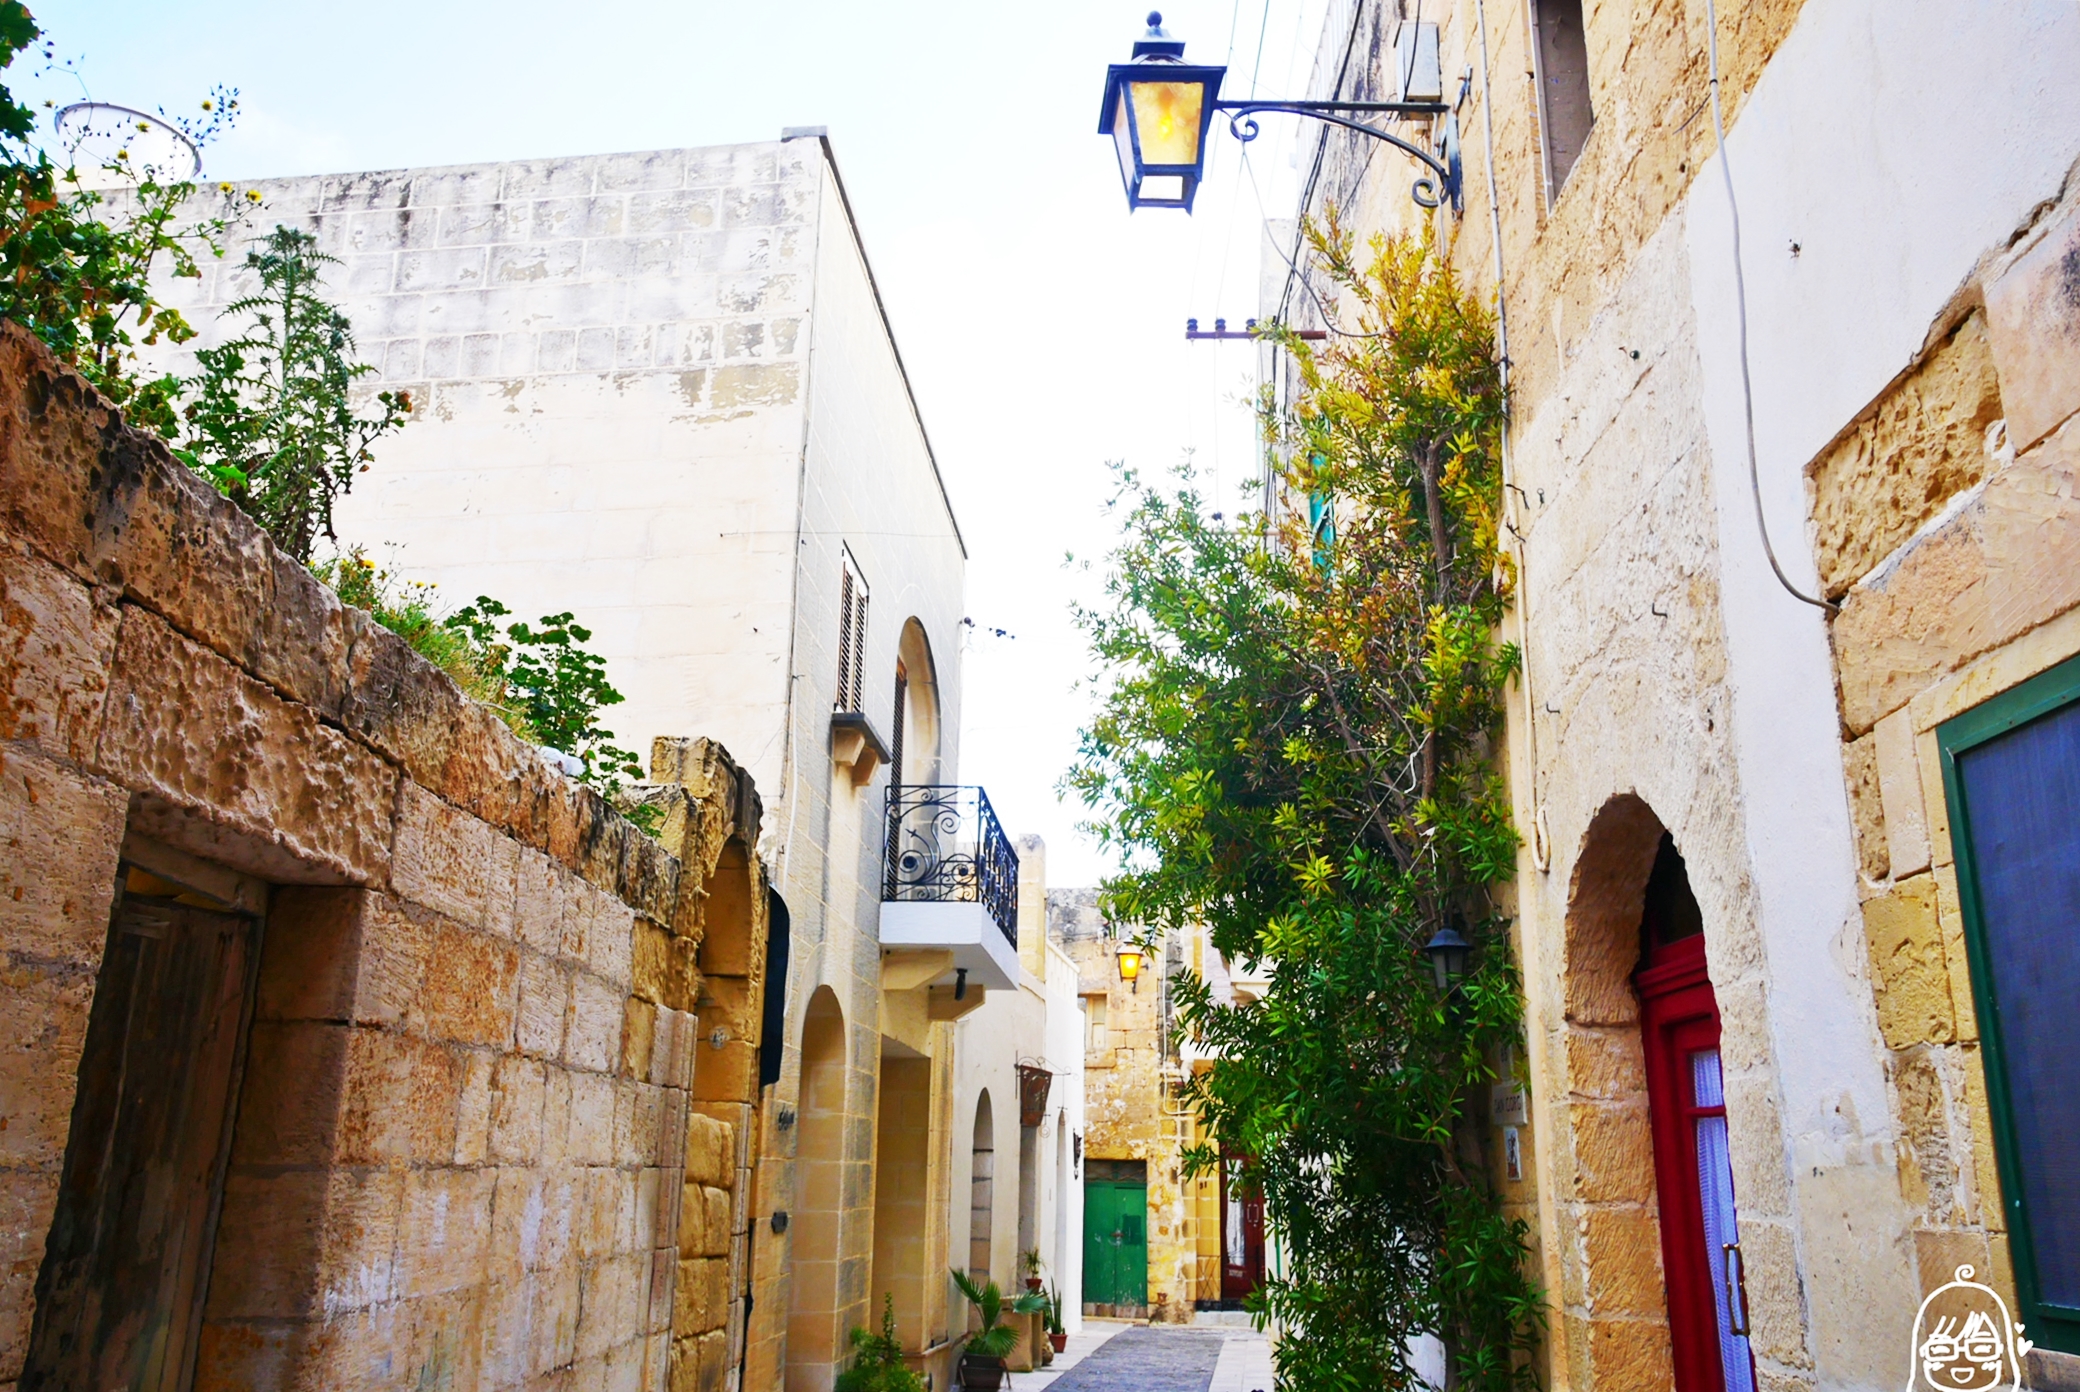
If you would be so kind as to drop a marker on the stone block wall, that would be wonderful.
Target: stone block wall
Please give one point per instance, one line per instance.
(1948, 524)
(473, 1072)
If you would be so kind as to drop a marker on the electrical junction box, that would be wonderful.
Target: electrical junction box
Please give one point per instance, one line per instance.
(1417, 75)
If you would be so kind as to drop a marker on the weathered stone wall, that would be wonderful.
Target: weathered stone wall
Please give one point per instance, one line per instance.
(465, 1112)
(1950, 511)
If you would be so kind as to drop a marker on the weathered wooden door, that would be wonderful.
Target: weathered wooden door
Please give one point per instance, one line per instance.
(119, 1297)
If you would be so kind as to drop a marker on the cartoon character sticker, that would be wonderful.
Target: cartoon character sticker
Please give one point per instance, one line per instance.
(1964, 1340)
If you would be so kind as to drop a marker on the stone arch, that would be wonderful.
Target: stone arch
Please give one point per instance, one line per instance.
(982, 1190)
(1616, 1316)
(814, 1340)
(914, 738)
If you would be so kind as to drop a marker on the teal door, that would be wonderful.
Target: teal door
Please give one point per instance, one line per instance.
(1115, 1242)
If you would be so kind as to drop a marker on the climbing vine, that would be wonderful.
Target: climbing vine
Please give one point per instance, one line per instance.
(1293, 748)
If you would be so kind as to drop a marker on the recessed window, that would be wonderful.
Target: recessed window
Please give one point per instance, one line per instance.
(1564, 110)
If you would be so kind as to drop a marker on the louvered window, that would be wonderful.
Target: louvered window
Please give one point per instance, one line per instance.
(852, 639)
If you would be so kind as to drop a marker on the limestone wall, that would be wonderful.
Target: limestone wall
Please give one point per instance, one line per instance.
(1949, 515)
(462, 1140)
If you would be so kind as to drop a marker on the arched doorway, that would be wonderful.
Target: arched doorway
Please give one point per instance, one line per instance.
(1693, 1171)
(814, 1341)
(1644, 1102)
(982, 1190)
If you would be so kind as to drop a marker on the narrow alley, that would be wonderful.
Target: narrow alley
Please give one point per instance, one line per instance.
(1117, 1356)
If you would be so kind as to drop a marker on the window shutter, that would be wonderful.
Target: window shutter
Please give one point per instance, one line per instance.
(852, 638)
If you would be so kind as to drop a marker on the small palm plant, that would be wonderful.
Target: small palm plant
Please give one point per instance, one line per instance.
(993, 1340)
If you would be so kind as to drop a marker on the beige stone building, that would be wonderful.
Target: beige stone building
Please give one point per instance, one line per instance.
(1698, 756)
(659, 390)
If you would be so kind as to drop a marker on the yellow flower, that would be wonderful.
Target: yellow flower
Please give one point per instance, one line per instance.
(252, 195)
(208, 105)
(224, 187)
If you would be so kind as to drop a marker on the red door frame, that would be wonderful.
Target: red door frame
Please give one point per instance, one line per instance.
(1240, 1277)
(1679, 1016)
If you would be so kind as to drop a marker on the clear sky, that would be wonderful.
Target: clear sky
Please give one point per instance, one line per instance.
(1042, 326)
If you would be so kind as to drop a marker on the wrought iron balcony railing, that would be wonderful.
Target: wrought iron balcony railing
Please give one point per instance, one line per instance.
(944, 846)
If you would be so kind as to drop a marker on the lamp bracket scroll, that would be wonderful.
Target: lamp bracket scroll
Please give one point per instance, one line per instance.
(1430, 191)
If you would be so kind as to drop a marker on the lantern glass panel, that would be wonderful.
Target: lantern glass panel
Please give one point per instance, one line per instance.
(1167, 121)
(1123, 138)
(1162, 188)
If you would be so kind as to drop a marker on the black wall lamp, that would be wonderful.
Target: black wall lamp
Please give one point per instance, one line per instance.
(1158, 109)
(1448, 951)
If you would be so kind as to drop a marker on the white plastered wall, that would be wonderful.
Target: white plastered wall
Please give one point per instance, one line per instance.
(1842, 148)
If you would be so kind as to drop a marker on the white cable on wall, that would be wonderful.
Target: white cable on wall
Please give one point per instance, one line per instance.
(1541, 838)
(1740, 296)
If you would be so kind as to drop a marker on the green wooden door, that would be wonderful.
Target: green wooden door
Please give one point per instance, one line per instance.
(1115, 1242)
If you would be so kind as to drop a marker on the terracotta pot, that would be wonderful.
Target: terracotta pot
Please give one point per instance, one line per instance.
(980, 1374)
(1033, 1283)
(1060, 1342)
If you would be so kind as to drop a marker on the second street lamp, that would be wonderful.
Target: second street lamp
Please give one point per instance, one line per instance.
(1158, 108)
(1448, 951)
(1131, 960)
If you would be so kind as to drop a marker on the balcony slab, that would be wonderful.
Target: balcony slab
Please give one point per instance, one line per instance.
(964, 928)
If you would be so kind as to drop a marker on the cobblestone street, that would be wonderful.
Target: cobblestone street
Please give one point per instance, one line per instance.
(1109, 1357)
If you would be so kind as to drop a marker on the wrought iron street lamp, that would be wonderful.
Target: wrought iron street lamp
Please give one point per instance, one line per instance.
(1448, 951)
(1158, 108)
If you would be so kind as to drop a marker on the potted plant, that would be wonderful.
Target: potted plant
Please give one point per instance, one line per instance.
(877, 1359)
(1057, 1336)
(1030, 1263)
(982, 1358)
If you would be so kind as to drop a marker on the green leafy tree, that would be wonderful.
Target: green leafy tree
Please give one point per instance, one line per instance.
(76, 266)
(271, 417)
(1293, 747)
(877, 1359)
